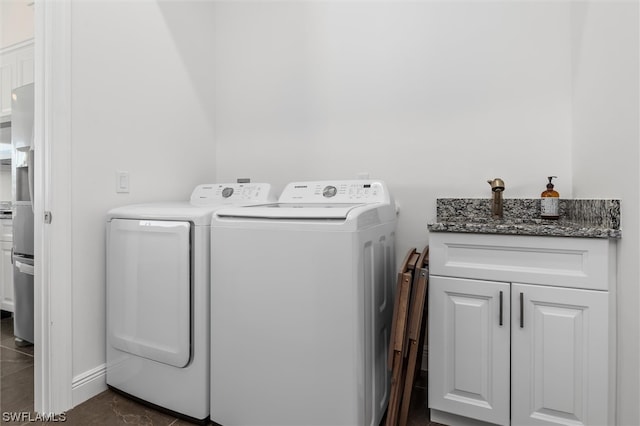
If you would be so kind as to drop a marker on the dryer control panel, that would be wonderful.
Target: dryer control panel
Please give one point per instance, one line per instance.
(231, 193)
(347, 191)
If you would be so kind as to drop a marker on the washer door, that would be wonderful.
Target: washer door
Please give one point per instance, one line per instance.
(149, 289)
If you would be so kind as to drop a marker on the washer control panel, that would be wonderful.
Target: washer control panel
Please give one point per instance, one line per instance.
(220, 193)
(349, 191)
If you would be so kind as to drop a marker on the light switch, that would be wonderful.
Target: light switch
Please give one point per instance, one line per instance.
(122, 182)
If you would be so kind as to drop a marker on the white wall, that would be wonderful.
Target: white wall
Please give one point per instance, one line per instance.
(606, 48)
(432, 97)
(140, 103)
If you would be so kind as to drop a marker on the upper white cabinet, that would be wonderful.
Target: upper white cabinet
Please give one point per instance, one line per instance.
(16, 69)
(521, 330)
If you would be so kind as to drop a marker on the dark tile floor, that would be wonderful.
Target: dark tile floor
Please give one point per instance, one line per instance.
(16, 373)
(107, 408)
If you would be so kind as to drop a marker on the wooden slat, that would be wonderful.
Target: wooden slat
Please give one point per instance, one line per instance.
(397, 378)
(396, 306)
(400, 331)
(417, 308)
(413, 261)
(407, 334)
(395, 393)
(394, 324)
(418, 296)
(414, 333)
(400, 314)
(404, 267)
(399, 325)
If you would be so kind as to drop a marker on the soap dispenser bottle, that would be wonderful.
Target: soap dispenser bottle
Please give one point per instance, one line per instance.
(549, 203)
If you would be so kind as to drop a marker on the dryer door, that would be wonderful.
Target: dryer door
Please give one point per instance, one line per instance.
(149, 289)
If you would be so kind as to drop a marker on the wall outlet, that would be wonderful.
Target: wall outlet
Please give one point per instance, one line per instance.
(122, 182)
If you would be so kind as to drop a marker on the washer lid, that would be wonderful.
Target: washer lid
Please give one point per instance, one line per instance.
(338, 211)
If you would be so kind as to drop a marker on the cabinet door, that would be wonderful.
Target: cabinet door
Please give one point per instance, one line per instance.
(6, 230)
(469, 348)
(559, 356)
(6, 277)
(16, 69)
(24, 65)
(7, 81)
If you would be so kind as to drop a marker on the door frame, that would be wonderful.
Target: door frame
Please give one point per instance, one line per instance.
(53, 372)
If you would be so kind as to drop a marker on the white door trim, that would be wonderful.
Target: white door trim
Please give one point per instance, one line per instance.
(53, 373)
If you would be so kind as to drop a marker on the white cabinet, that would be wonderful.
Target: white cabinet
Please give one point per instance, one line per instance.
(521, 330)
(468, 348)
(6, 266)
(16, 69)
(559, 356)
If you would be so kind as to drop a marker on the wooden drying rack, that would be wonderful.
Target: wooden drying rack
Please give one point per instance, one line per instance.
(407, 338)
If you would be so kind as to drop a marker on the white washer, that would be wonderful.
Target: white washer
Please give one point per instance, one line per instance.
(158, 277)
(301, 306)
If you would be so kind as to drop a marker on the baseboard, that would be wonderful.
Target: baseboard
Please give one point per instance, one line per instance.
(89, 384)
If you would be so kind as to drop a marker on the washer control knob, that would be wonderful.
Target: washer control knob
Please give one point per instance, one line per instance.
(227, 192)
(329, 191)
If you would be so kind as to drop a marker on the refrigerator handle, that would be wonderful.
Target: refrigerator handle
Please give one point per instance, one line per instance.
(12, 255)
(30, 165)
(24, 268)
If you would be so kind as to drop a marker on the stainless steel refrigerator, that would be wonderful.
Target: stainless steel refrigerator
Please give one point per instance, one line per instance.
(22, 111)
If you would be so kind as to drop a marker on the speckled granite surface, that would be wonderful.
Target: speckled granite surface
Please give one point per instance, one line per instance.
(578, 218)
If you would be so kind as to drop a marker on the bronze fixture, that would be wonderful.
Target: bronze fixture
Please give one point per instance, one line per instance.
(497, 187)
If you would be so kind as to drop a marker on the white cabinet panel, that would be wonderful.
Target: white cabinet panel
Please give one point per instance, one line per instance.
(6, 266)
(16, 69)
(469, 347)
(559, 356)
(7, 79)
(6, 277)
(24, 66)
(6, 230)
(564, 262)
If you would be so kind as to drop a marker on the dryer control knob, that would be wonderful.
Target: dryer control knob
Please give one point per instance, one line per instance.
(227, 192)
(329, 191)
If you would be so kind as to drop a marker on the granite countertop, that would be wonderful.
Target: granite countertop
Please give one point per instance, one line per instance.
(578, 218)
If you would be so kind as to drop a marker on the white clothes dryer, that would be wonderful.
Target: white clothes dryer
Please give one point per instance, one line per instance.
(301, 307)
(158, 277)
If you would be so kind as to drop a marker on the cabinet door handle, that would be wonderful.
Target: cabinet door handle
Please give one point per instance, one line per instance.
(521, 310)
(500, 309)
